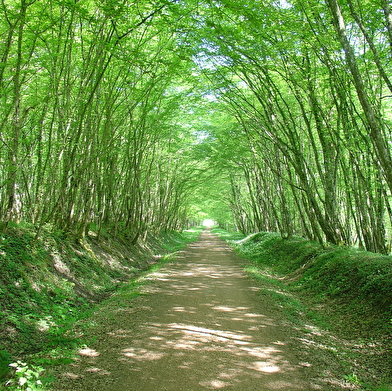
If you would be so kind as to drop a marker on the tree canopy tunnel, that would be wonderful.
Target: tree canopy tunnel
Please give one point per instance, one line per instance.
(138, 116)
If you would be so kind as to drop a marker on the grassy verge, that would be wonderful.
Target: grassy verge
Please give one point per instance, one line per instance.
(48, 284)
(346, 294)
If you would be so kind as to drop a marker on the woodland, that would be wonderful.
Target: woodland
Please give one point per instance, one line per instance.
(143, 116)
(124, 123)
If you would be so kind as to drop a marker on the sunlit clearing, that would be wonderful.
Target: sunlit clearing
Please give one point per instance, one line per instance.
(208, 223)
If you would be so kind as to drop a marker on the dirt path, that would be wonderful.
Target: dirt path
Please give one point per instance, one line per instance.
(200, 324)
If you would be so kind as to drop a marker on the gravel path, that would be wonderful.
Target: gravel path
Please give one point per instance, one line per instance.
(200, 324)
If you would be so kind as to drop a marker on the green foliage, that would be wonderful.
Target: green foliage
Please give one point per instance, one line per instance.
(36, 302)
(368, 387)
(195, 108)
(352, 378)
(173, 241)
(289, 304)
(26, 377)
(5, 360)
(363, 275)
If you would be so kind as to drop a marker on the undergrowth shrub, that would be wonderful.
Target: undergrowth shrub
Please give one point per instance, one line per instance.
(5, 360)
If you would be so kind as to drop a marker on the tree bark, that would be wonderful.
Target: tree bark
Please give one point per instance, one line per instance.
(374, 120)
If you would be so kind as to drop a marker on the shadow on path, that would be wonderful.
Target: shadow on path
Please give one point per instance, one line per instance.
(199, 324)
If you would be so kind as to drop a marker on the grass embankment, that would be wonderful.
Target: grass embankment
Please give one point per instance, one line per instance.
(49, 283)
(343, 291)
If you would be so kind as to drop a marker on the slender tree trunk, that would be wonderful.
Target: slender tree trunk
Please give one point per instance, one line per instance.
(12, 211)
(373, 119)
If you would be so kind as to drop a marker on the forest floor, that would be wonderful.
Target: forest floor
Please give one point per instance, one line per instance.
(201, 323)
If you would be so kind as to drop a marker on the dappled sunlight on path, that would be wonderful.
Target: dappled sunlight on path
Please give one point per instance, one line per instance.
(199, 324)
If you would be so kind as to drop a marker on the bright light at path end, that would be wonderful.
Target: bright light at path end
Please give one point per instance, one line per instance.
(208, 223)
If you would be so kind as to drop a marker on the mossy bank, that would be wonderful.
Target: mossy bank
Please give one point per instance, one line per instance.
(49, 282)
(345, 293)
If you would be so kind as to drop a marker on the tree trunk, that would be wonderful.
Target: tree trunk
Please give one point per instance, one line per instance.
(374, 120)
